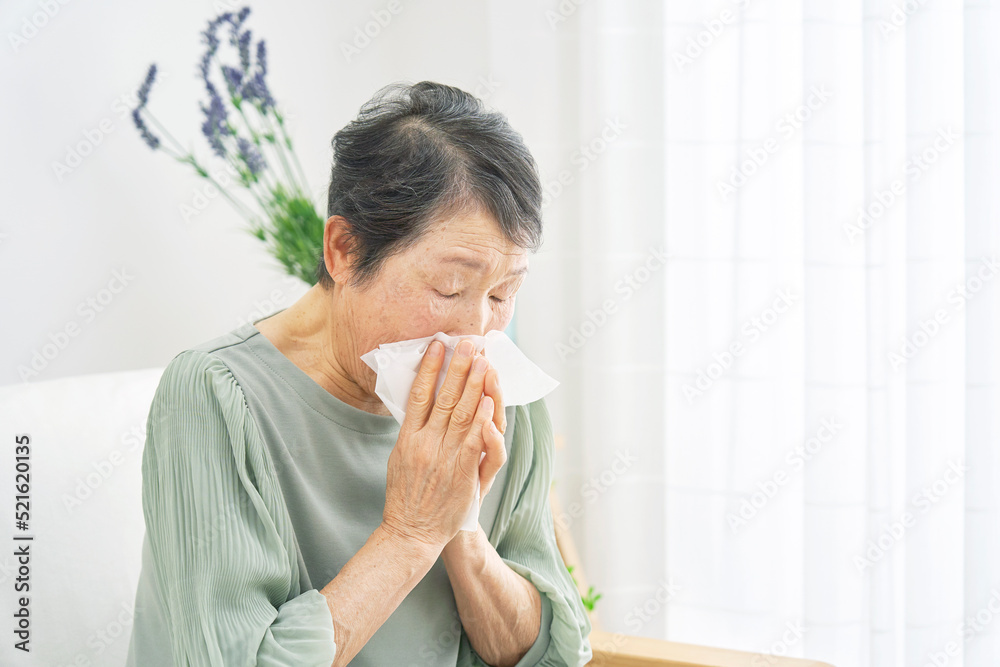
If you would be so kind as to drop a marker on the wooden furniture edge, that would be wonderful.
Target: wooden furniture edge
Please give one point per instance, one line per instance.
(620, 650)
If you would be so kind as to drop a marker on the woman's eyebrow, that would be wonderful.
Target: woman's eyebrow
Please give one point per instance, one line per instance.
(479, 265)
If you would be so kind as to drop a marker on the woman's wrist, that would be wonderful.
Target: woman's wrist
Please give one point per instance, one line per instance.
(410, 548)
(372, 584)
(466, 550)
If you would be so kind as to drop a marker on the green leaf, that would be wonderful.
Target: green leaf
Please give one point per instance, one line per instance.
(295, 234)
(589, 600)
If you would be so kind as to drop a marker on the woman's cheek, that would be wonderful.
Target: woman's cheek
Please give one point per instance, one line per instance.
(406, 310)
(432, 313)
(504, 313)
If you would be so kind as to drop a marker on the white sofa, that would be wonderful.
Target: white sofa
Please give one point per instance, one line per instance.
(86, 439)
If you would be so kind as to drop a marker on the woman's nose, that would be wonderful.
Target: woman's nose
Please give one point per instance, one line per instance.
(475, 320)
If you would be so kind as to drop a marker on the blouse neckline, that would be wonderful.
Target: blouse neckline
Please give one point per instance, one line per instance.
(309, 390)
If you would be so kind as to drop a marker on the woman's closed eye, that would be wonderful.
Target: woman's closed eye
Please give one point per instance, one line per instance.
(457, 294)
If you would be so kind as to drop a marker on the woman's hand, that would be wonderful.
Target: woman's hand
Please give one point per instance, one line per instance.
(496, 453)
(432, 471)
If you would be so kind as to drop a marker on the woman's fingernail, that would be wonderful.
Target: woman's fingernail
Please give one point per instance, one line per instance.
(465, 348)
(479, 365)
(503, 426)
(435, 348)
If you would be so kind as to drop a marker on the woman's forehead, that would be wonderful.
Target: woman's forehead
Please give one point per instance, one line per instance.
(472, 242)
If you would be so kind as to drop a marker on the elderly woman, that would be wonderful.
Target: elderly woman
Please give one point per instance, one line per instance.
(290, 519)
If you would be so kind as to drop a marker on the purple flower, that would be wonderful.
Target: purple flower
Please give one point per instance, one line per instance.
(255, 88)
(212, 42)
(151, 140)
(244, 44)
(233, 77)
(215, 125)
(262, 57)
(236, 24)
(251, 156)
(257, 91)
(241, 17)
(209, 35)
(244, 81)
(238, 81)
(206, 60)
(146, 85)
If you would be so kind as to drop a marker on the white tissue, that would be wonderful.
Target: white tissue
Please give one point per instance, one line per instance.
(396, 365)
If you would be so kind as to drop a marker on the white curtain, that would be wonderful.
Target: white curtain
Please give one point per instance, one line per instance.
(785, 439)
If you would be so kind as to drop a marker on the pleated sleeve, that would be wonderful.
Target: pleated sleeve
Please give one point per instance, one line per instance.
(222, 558)
(524, 537)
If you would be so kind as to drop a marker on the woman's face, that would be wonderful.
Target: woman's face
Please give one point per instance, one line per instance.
(460, 278)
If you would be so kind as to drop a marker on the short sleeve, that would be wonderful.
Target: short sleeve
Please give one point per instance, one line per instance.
(221, 555)
(524, 537)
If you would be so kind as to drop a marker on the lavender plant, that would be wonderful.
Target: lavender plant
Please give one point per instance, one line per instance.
(246, 131)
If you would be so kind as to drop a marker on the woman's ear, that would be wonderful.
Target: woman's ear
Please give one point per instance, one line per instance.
(337, 244)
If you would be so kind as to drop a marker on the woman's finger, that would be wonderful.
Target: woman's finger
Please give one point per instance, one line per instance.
(492, 390)
(454, 383)
(422, 392)
(496, 456)
(470, 454)
(465, 412)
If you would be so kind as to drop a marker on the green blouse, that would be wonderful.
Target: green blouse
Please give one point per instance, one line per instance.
(259, 485)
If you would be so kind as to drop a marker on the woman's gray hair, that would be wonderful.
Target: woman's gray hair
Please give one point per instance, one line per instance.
(417, 153)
